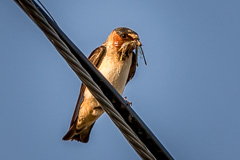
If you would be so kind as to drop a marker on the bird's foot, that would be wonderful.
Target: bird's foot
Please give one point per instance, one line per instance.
(128, 102)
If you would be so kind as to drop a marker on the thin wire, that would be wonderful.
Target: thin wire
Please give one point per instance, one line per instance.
(29, 7)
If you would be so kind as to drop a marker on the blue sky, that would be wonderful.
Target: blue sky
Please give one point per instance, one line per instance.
(188, 94)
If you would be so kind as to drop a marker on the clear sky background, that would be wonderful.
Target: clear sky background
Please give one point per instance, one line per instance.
(188, 94)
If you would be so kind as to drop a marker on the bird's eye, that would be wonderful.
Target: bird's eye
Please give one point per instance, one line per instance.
(124, 36)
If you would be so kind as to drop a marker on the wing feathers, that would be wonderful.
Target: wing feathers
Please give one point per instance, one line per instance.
(95, 58)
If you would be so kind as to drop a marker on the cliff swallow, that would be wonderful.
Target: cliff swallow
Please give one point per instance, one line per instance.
(117, 62)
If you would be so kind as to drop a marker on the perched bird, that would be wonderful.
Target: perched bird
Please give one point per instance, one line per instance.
(117, 62)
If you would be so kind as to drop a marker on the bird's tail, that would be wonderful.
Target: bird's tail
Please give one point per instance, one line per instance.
(78, 135)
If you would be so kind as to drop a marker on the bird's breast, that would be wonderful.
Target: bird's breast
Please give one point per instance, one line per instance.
(116, 71)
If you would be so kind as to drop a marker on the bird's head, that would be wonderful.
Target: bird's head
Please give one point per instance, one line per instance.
(125, 40)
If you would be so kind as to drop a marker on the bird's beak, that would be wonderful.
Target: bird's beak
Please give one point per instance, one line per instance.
(138, 43)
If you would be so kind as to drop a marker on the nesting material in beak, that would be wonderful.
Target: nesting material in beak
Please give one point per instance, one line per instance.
(125, 48)
(135, 44)
(139, 47)
(141, 52)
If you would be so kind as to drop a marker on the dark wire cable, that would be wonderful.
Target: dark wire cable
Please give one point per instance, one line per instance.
(132, 127)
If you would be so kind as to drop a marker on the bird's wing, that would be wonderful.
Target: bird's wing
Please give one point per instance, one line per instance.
(95, 58)
(132, 68)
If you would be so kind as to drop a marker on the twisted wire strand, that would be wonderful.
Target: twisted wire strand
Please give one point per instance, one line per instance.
(29, 7)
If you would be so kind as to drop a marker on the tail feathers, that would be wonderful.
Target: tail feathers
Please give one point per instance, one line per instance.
(71, 132)
(81, 136)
